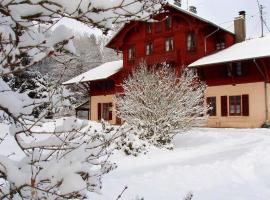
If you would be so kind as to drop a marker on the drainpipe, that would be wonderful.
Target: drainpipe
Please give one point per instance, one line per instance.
(206, 37)
(265, 90)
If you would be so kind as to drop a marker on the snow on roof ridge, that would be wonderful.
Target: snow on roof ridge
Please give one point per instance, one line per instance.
(98, 73)
(248, 49)
(197, 16)
(179, 9)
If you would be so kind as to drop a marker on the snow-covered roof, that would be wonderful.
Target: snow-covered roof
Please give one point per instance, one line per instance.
(249, 49)
(98, 73)
(179, 8)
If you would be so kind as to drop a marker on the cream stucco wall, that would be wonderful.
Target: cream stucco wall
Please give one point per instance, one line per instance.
(257, 106)
(101, 99)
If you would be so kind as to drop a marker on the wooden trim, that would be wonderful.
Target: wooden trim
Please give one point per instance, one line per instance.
(224, 106)
(99, 111)
(245, 105)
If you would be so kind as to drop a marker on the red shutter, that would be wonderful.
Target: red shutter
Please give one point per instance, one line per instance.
(99, 111)
(110, 111)
(224, 106)
(245, 105)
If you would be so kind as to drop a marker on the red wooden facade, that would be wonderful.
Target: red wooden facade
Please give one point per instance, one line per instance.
(175, 36)
(248, 71)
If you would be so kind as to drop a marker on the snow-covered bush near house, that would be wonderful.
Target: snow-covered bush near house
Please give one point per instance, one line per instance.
(156, 102)
(211, 164)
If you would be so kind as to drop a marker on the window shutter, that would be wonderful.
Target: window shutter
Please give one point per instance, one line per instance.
(245, 105)
(99, 111)
(224, 106)
(110, 111)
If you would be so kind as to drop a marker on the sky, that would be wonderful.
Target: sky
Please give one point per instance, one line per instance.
(221, 12)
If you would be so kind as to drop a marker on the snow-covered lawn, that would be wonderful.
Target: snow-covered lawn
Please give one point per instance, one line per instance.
(214, 164)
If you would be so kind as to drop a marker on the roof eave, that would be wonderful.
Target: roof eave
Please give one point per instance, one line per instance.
(223, 62)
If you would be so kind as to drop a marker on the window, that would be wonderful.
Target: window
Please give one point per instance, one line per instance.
(238, 105)
(229, 70)
(169, 44)
(131, 53)
(211, 101)
(234, 69)
(148, 28)
(168, 22)
(220, 44)
(238, 69)
(158, 27)
(105, 111)
(191, 41)
(149, 48)
(235, 105)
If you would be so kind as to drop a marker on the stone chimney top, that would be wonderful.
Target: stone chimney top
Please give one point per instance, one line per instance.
(193, 9)
(178, 2)
(240, 27)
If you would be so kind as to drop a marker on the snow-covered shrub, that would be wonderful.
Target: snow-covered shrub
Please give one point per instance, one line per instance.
(63, 159)
(160, 104)
(130, 142)
(189, 196)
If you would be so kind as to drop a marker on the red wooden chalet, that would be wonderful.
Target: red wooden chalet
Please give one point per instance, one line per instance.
(180, 37)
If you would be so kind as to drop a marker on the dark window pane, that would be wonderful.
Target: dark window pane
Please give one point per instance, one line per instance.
(168, 22)
(131, 53)
(211, 101)
(191, 41)
(169, 44)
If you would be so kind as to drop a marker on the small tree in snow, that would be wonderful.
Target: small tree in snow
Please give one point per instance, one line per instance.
(160, 104)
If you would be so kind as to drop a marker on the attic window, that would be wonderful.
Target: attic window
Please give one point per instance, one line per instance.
(131, 53)
(158, 27)
(149, 48)
(168, 22)
(220, 44)
(148, 28)
(238, 69)
(169, 44)
(191, 41)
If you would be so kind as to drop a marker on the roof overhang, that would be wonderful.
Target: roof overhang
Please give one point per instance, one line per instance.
(101, 72)
(247, 50)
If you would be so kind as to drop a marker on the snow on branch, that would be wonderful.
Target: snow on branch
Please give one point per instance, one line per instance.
(26, 36)
(64, 159)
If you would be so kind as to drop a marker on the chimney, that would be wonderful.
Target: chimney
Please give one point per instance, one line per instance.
(193, 9)
(240, 27)
(178, 2)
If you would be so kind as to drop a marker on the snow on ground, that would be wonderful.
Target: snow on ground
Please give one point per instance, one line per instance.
(214, 164)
